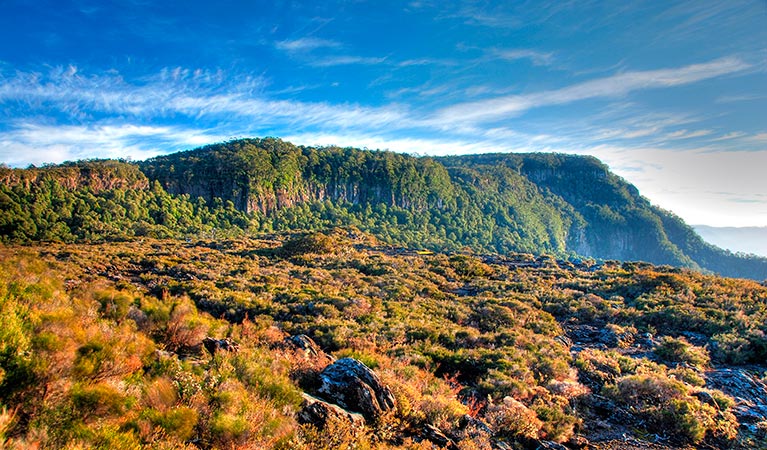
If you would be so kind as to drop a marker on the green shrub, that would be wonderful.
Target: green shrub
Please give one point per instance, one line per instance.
(90, 359)
(513, 420)
(99, 400)
(678, 350)
(682, 418)
(309, 243)
(669, 407)
(115, 438)
(366, 357)
(229, 428)
(688, 375)
(732, 349)
(179, 422)
(7, 419)
(558, 425)
(469, 266)
(114, 304)
(597, 368)
(259, 372)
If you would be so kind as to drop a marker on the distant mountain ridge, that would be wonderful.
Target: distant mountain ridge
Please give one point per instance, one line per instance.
(535, 203)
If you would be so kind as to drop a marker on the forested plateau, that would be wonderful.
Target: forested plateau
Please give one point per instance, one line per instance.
(556, 204)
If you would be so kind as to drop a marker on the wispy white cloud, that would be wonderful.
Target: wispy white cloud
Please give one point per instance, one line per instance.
(692, 19)
(760, 138)
(345, 60)
(30, 143)
(174, 92)
(123, 117)
(740, 98)
(536, 57)
(728, 136)
(687, 134)
(427, 62)
(478, 15)
(306, 44)
(413, 146)
(612, 86)
(318, 52)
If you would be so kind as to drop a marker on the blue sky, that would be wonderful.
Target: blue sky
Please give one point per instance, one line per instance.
(671, 94)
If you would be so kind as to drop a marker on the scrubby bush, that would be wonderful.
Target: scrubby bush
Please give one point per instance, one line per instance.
(99, 400)
(597, 368)
(671, 408)
(114, 304)
(337, 435)
(731, 348)
(186, 328)
(468, 267)
(678, 350)
(513, 420)
(309, 243)
(179, 422)
(79, 365)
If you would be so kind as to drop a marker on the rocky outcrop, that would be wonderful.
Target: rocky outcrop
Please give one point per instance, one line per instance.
(749, 392)
(601, 338)
(304, 348)
(213, 345)
(352, 385)
(436, 436)
(319, 413)
(305, 345)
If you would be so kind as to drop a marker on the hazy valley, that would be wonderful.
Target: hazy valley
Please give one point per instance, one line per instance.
(737, 239)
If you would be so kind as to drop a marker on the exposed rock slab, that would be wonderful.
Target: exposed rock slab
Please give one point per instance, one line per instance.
(352, 385)
(319, 413)
(749, 392)
(436, 436)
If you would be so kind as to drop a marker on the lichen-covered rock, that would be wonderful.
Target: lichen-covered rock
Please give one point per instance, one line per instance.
(353, 386)
(318, 413)
(305, 344)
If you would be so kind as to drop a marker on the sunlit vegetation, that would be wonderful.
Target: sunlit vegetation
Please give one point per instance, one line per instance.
(466, 284)
(101, 343)
(538, 203)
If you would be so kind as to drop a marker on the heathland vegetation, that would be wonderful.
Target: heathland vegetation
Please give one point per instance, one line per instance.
(101, 346)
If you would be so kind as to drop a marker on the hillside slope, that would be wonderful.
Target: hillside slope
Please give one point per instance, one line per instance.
(107, 345)
(538, 203)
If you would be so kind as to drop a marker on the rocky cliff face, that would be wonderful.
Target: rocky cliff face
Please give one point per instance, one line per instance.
(265, 175)
(96, 175)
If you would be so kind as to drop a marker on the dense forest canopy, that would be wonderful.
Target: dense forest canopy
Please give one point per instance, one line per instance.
(538, 203)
